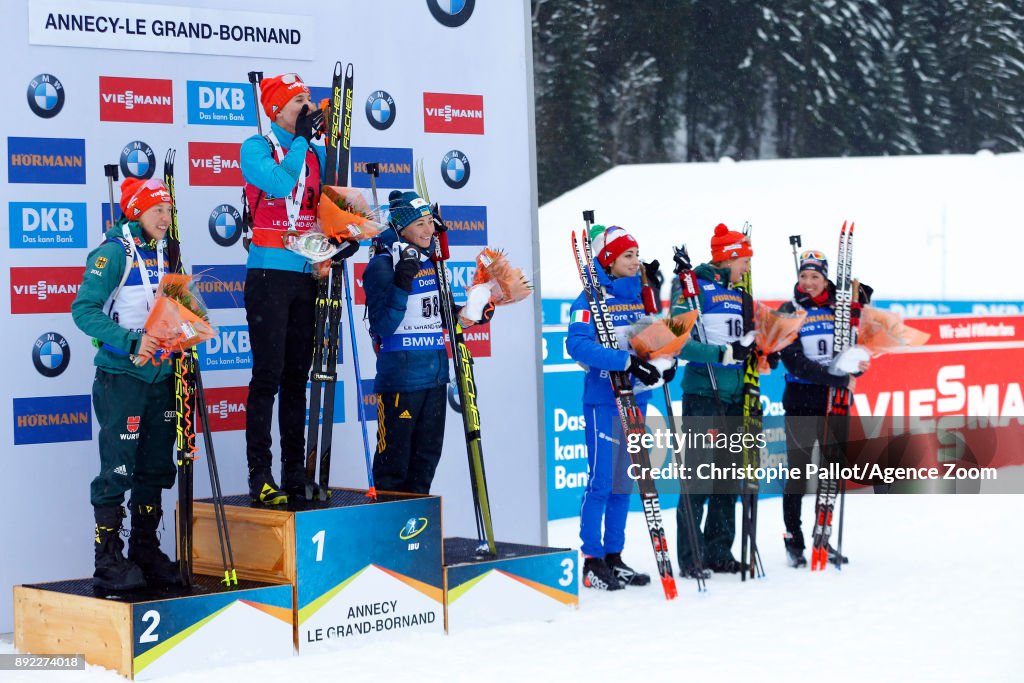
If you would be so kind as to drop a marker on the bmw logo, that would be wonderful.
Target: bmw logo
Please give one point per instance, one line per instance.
(225, 225)
(455, 169)
(45, 96)
(51, 354)
(138, 160)
(380, 110)
(451, 13)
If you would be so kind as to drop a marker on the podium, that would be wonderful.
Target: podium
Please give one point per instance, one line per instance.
(522, 583)
(360, 570)
(151, 633)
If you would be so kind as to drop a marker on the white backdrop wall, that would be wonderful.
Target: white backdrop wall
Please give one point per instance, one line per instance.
(68, 113)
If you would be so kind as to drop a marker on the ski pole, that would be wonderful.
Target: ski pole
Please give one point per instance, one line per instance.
(254, 80)
(110, 170)
(795, 242)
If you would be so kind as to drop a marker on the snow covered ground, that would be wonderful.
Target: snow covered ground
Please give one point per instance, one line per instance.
(933, 592)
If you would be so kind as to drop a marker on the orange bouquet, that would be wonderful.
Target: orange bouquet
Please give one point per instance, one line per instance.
(883, 331)
(774, 331)
(492, 266)
(178, 318)
(654, 337)
(345, 214)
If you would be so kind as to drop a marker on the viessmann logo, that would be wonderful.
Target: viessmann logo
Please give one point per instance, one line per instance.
(44, 290)
(451, 113)
(214, 164)
(136, 100)
(226, 406)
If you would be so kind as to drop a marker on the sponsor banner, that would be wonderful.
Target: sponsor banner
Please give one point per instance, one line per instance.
(225, 225)
(138, 160)
(467, 225)
(229, 350)
(451, 13)
(105, 221)
(221, 286)
(370, 400)
(136, 100)
(51, 354)
(339, 401)
(45, 290)
(971, 329)
(169, 28)
(357, 272)
(52, 419)
(455, 169)
(395, 167)
(45, 95)
(57, 161)
(460, 278)
(42, 225)
(226, 409)
(380, 109)
(919, 308)
(451, 113)
(214, 164)
(214, 103)
(478, 341)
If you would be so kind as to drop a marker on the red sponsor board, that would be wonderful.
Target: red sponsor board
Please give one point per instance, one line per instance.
(478, 340)
(136, 100)
(928, 393)
(44, 290)
(357, 270)
(971, 329)
(214, 164)
(451, 113)
(226, 409)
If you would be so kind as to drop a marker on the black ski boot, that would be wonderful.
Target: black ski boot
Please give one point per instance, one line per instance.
(596, 574)
(627, 575)
(794, 552)
(835, 558)
(113, 572)
(693, 572)
(264, 490)
(144, 548)
(294, 482)
(729, 566)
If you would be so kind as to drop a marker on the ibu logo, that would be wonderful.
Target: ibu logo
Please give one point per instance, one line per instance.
(42, 225)
(229, 350)
(213, 103)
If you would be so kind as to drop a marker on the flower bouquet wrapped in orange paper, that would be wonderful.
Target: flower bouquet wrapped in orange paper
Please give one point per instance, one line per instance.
(653, 337)
(882, 331)
(345, 214)
(178, 316)
(496, 282)
(774, 331)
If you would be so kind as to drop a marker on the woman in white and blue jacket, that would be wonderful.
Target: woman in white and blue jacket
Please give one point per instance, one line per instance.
(606, 498)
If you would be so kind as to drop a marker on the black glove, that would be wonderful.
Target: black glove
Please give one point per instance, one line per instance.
(654, 277)
(643, 371)
(308, 122)
(439, 226)
(406, 268)
(773, 359)
(488, 313)
(670, 373)
(735, 353)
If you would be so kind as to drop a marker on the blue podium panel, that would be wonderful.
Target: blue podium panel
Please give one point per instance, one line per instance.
(148, 634)
(523, 583)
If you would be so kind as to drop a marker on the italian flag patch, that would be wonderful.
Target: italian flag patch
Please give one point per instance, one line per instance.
(581, 316)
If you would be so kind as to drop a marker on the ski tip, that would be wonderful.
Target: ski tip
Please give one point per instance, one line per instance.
(668, 584)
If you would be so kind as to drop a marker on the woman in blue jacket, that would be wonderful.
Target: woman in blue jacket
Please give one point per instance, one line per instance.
(606, 498)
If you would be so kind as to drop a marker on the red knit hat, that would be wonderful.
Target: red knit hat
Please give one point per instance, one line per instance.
(138, 195)
(728, 244)
(611, 244)
(278, 91)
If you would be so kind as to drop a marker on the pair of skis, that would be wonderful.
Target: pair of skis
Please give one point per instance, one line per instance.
(753, 423)
(464, 377)
(629, 412)
(837, 416)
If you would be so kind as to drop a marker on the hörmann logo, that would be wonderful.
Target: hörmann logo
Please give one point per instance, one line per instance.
(44, 290)
(214, 164)
(45, 96)
(467, 225)
(43, 225)
(138, 160)
(455, 169)
(451, 113)
(395, 166)
(213, 103)
(451, 13)
(52, 419)
(46, 160)
(51, 354)
(225, 225)
(136, 100)
(381, 109)
(221, 286)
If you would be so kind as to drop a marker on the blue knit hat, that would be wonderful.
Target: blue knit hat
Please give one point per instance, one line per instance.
(406, 208)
